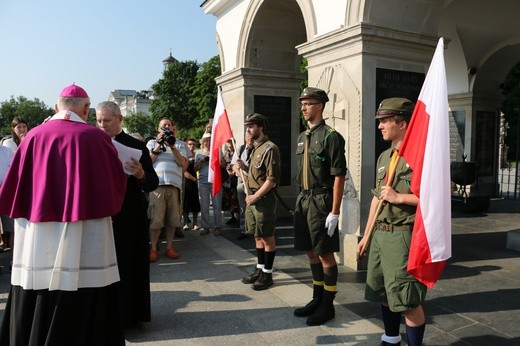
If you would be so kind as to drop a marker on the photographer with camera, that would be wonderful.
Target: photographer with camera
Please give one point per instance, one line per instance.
(169, 157)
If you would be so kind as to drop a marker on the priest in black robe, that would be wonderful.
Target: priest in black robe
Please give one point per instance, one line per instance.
(131, 224)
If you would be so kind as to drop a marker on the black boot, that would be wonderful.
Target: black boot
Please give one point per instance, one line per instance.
(251, 278)
(264, 281)
(325, 312)
(313, 305)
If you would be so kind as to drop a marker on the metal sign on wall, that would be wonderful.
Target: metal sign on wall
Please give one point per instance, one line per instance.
(395, 83)
(277, 110)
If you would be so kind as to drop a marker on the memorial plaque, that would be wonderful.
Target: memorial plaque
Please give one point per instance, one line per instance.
(395, 83)
(457, 134)
(277, 110)
(486, 143)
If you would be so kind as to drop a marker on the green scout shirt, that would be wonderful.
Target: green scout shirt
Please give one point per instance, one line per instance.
(326, 156)
(394, 214)
(264, 164)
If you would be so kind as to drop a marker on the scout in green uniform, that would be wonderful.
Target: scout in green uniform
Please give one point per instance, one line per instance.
(263, 177)
(321, 175)
(387, 279)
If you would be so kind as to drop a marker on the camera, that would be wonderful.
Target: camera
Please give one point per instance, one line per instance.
(168, 137)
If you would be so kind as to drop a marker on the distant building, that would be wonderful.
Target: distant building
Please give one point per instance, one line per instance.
(132, 101)
(169, 60)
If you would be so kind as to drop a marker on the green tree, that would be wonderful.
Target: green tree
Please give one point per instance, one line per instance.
(172, 94)
(204, 98)
(304, 83)
(304, 69)
(187, 94)
(511, 110)
(141, 123)
(32, 111)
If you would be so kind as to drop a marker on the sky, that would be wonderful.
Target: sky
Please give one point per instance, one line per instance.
(100, 45)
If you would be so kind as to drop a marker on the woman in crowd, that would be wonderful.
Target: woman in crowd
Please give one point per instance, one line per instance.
(19, 129)
(229, 185)
(205, 188)
(191, 190)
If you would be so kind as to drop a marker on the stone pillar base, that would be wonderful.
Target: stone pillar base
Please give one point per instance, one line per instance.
(347, 256)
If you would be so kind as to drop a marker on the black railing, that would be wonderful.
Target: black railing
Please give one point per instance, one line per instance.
(509, 181)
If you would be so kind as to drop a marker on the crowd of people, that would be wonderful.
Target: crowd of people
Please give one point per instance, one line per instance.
(98, 199)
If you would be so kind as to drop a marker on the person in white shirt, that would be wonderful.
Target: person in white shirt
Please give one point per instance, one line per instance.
(165, 207)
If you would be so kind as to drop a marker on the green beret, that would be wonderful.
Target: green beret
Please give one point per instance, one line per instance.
(395, 106)
(255, 119)
(314, 93)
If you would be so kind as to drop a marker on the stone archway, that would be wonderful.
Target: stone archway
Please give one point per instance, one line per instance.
(268, 76)
(347, 43)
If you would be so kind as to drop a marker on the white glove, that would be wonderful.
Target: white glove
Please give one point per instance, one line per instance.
(331, 223)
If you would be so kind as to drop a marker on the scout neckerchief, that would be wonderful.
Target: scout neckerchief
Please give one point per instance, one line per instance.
(306, 160)
(308, 134)
(393, 162)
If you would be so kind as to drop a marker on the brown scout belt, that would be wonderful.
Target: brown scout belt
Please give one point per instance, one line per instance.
(388, 228)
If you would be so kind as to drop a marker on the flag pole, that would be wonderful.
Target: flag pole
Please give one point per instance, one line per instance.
(380, 204)
(220, 133)
(246, 188)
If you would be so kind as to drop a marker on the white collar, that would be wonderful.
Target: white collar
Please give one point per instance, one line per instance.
(67, 115)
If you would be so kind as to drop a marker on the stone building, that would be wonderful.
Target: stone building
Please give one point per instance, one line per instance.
(360, 52)
(131, 101)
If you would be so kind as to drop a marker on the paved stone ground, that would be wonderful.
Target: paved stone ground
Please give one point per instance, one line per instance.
(199, 300)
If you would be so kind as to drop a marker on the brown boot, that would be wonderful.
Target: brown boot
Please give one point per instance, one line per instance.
(264, 281)
(251, 278)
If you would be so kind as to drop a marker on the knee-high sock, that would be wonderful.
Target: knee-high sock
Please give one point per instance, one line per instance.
(415, 335)
(260, 255)
(269, 260)
(317, 274)
(330, 276)
(391, 320)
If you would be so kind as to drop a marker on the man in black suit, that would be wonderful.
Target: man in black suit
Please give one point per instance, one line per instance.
(131, 224)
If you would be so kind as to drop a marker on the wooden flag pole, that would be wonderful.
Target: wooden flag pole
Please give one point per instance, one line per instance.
(244, 181)
(380, 204)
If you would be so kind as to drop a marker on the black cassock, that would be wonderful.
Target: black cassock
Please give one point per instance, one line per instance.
(131, 233)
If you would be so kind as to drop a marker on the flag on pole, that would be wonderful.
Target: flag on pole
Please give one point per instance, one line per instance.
(220, 133)
(426, 148)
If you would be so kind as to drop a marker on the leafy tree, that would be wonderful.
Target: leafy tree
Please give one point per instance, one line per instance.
(141, 123)
(511, 110)
(204, 98)
(304, 83)
(32, 111)
(303, 69)
(187, 94)
(173, 92)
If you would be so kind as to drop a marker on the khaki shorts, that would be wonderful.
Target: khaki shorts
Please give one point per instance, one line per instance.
(261, 216)
(310, 233)
(165, 207)
(387, 278)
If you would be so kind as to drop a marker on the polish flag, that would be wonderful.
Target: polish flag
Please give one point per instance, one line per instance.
(426, 148)
(220, 133)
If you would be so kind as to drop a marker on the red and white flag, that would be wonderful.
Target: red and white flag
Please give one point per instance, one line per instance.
(426, 148)
(220, 133)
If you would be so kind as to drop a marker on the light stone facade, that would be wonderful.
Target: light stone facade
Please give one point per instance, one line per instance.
(131, 101)
(347, 44)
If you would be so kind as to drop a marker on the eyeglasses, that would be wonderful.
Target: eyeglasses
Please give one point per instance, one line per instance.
(307, 104)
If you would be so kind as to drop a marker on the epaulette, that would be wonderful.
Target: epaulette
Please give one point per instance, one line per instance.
(330, 130)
